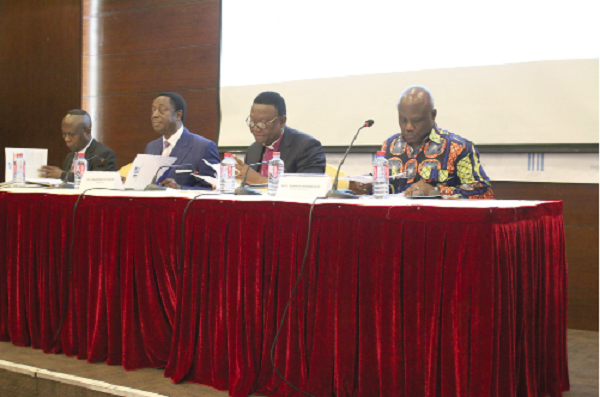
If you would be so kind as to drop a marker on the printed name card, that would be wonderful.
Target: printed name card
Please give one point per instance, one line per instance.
(101, 179)
(304, 185)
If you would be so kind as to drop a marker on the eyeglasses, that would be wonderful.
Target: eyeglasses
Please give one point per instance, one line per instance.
(261, 125)
(70, 134)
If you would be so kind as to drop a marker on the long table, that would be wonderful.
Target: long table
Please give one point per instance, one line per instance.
(398, 297)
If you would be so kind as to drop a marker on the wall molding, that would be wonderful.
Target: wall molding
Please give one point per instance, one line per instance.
(528, 148)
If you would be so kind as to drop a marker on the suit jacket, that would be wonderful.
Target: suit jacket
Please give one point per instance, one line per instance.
(106, 160)
(300, 152)
(190, 149)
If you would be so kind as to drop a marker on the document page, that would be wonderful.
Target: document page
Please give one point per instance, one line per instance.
(34, 159)
(144, 168)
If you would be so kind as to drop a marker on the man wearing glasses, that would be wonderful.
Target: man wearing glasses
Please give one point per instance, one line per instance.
(300, 152)
(77, 133)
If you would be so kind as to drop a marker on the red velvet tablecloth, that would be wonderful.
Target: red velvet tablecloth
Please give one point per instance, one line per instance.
(408, 300)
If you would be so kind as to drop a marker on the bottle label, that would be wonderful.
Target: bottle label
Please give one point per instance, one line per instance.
(80, 169)
(381, 173)
(273, 171)
(227, 171)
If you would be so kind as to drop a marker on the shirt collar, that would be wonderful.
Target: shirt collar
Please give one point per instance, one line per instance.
(174, 138)
(85, 148)
(276, 143)
(435, 134)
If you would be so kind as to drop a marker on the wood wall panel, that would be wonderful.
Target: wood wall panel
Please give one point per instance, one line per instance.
(580, 200)
(580, 212)
(145, 47)
(123, 32)
(582, 256)
(40, 69)
(115, 6)
(125, 120)
(173, 69)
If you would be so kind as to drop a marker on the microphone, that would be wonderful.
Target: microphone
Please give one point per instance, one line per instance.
(244, 190)
(65, 184)
(154, 186)
(346, 193)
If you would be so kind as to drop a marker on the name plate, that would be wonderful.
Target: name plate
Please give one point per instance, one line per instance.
(304, 185)
(101, 179)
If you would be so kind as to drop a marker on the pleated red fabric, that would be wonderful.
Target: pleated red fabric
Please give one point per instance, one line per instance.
(399, 301)
(394, 301)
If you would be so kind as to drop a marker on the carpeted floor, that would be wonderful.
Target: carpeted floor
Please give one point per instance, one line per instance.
(583, 369)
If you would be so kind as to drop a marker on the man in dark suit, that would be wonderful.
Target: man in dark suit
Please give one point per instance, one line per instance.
(300, 152)
(168, 114)
(77, 133)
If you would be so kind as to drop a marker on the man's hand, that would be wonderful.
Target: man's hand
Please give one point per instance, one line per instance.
(423, 186)
(254, 178)
(49, 171)
(361, 188)
(170, 182)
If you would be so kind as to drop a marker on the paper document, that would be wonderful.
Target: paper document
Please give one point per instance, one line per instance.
(213, 181)
(357, 178)
(34, 159)
(44, 181)
(144, 168)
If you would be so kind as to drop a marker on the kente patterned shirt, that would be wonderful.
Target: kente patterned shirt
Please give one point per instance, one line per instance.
(445, 160)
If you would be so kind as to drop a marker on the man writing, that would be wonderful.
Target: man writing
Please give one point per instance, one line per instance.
(433, 158)
(77, 132)
(168, 114)
(300, 152)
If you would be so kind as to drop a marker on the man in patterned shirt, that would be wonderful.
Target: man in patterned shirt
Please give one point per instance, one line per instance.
(431, 157)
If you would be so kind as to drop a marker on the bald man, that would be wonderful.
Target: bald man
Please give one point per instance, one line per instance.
(77, 133)
(433, 159)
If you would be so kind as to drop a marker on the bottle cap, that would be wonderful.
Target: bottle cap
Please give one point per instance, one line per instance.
(276, 154)
(381, 153)
(80, 155)
(227, 155)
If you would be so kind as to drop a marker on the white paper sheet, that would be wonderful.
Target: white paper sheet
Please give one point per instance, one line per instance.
(34, 159)
(44, 181)
(144, 168)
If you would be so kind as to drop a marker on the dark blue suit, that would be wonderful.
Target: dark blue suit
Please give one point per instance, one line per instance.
(190, 149)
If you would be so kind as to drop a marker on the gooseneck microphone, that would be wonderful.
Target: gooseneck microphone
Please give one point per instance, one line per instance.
(244, 190)
(154, 186)
(346, 193)
(65, 183)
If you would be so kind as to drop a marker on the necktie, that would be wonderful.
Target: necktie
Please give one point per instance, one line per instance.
(165, 152)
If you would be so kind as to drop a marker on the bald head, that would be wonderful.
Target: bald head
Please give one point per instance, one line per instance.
(416, 114)
(77, 129)
(416, 94)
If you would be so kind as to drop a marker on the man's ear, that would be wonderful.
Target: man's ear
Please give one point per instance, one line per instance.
(282, 120)
(179, 114)
(433, 114)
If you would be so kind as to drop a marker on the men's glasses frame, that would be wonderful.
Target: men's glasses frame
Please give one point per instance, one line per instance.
(261, 124)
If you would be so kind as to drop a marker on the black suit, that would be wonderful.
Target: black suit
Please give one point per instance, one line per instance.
(300, 152)
(95, 149)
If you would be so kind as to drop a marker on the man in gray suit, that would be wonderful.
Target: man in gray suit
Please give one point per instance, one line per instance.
(300, 152)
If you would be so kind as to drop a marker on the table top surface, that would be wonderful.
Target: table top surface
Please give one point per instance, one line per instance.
(393, 200)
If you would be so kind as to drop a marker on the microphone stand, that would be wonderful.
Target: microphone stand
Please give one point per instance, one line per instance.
(336, 193)
(244, 190)
(154, 186)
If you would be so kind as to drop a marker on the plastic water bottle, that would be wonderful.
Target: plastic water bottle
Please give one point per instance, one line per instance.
(18, 171)
(276, 168)
(227, 174)
(381, 176)
(80, 169)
